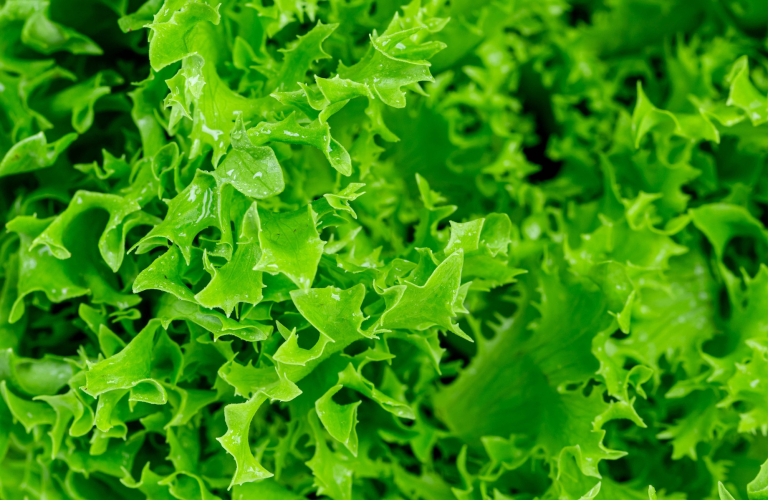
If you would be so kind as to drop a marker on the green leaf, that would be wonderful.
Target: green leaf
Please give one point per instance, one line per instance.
(254, 171)
(68, 409)
(199, 206)
(758, 488)
(298, 57)
(557, 352)
(140, 19)
(432, 303)
(236, 441)
(315, 134)
(33, 153)
(387, 68)
(744, 95)
(647, 117)
(578, 188)
(724, 494)
(171, 309)
(167, 273)
(336, 315)
(197, 91)
(266, 487)
(339, 420)
(290, 244)
(80, 99)
(236, 281)
(29, 413)
(332, 473)
(83, 273)
(112, 240)
(177, 30)
(46, 36)
(146, 99)
(127, 369)
(149, 484)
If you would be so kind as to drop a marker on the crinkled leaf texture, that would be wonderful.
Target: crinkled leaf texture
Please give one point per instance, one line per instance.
(376, 249)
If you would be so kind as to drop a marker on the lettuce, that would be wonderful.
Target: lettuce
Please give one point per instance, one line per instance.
(379, 249)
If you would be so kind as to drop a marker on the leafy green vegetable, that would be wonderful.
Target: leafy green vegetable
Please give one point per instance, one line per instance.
(383, 249)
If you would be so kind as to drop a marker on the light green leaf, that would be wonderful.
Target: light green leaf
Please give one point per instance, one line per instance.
(252, 170)
(299, 55)
(744, 95)
(339, 420)
(236, 441)
(236, 281)
(199, 206)
(128, 368)
(290, 244)
(171, 308)
(433, 303)
(386, 69)
(647, 117)
(33, 153)
(112, 240)
(332, 471)
(315, 134)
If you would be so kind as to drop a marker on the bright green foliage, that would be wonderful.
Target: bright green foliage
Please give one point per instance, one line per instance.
(384, 249)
